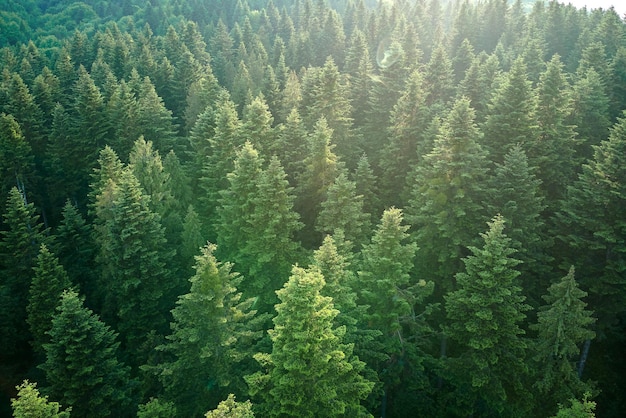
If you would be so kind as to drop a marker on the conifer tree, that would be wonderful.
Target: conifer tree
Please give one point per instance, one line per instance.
(484, 315)
(514, 193)
(320, 171)
(366, 183)
(232, 409)
(343, 210)
(17, 165)
(19, 245)
(48, 283)
(134, 264)
(257, 127)
(446, 203)
(512, 117)
(592, 225)
(29, 403)
(211, 333)
(82, 366)
(563, 324)
(291, 146)
(310, 371)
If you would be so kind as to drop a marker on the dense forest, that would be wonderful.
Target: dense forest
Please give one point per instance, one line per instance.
(312, 208)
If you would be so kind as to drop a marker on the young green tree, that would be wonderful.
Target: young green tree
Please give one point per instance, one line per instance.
(563, 324)
(310, 371)
(211, 335)
(484, 315)
(578, 409)
(82, 366)
(48, 283)
(232, 409)
(29, 404)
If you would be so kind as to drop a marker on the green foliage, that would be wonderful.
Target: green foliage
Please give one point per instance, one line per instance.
(309, 371)
(82, 366)
(230, 408)
(484, 315)
(29, 404)
(49, 282)
(155, 408)
(578, 409)
(211, 334)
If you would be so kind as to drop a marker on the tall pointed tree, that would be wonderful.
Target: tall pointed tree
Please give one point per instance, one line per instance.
(48, 283)
(447, 199)
(563, 324)
(484, 314)
(82, 366)
(211, 334)
(310, 371)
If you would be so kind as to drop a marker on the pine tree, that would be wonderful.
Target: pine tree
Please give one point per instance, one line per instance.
(135, 279)
(343, 210)
(19, 246)
(563, 324)
(156, 122)
(48, 283)
(512, 117)
(82, 366)
(270, 248)
(515, 194)
(592, 225)
(291, 146)
(320, 171)
(17, 165)
(155, 408)
(29, 403)
(447, 198)
(310, 372)
(484, 316)
(211, 334)
(257, 127)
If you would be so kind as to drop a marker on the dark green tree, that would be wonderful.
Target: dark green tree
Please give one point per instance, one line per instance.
(17, 165)
(82, 366)
(49, 282)
(310, 371)
(563, 324)
(447, 200)
(485, 313)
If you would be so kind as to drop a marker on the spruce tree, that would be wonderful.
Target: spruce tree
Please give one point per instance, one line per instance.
(447, 199)
(563, 324)
(17, 164)
(232, 409)
(82, 366)
(19, 245)
(487, 365)
(48, 283)
(211, 333)
(310, 372)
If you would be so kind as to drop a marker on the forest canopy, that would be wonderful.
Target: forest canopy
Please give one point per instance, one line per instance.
(312, 208)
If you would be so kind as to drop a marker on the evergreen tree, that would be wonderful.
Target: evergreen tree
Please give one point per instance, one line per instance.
(17, 166)
(232, 409)
(310, 372)
(135, 279)
(82, 366)
(514, 193)
(578, 409)
(257, 127)
(320, 171)
(563, 324)
(343, 210)
(29, 404)
(155, 408)
(48, 283)
(447, 200)
(592, 225)
(291, 146)
(19, 246)
(484, 314)
(512, 114)
(211, 334)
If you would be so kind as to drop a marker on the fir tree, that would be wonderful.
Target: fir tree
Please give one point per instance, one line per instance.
(210, 332)
(563, 324)
(484, 315)
(82, 366)
(232, 409)
(48, 283)
(310, 371)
